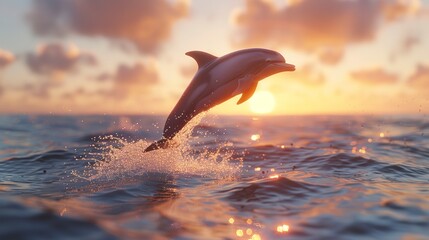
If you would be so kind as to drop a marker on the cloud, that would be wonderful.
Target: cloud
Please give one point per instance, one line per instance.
(420, 78)
(313, 26)
(405, 46)
(374, 76)
(130, 80)
(144, 24)
(395, 9)
(307, 75)
(6, 58)
(408, 43)
(188, 71)
(55, 60)
(40, 90)
(331, 56)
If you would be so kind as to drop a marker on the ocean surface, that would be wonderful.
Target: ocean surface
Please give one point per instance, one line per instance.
(285, 177)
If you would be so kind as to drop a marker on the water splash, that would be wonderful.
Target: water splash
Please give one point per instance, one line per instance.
(121, 159)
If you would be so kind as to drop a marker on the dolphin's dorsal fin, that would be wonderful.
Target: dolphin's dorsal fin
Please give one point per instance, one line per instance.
(202, 58)
(248, 93)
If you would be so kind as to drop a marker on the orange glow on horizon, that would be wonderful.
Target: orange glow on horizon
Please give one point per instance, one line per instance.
(262, 102)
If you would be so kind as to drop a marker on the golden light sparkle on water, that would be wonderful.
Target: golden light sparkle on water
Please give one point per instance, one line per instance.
(256, 237)
(231, 220)
(239, 233)
(362, 150)
(255, 137)
(283, 228)
(63, 211)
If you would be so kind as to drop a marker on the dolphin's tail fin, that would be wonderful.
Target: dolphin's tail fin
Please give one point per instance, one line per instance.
(163, 143)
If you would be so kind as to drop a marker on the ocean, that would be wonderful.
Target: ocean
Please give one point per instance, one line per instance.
(227, 177)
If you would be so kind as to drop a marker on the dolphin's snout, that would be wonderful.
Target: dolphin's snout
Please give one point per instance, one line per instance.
(279, 63)
(289, 67)
(282, 66)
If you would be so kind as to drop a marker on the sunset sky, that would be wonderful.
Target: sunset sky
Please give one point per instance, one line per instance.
(128, 57)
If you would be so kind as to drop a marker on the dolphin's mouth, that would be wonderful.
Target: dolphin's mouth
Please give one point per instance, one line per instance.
(274, 67)
(282, 66)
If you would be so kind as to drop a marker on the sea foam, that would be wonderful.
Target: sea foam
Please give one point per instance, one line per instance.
(119, 158)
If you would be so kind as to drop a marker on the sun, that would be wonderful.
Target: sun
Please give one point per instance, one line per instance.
(262, 102)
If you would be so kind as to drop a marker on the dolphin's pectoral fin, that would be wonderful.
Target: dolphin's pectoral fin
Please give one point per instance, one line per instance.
(248, 93)
(202, 58)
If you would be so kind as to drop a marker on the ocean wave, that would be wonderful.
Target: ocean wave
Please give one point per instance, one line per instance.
(339, 161)
(24, 222)
(399, 171)
(356, 177)
(288, 196)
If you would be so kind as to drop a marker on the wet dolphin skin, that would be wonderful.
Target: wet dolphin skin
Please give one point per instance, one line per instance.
(219, 79)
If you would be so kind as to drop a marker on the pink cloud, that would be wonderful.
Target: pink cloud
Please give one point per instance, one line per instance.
(40, 90)
(188, 71)
(331, 56)
(313, 26)
(408, 43)
(307, 75)
(55, 60)
(6, 58)
(374, 76)
(144, 24)
(420, 78)
(131, 80)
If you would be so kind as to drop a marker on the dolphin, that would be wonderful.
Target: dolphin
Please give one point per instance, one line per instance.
(217, 80)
